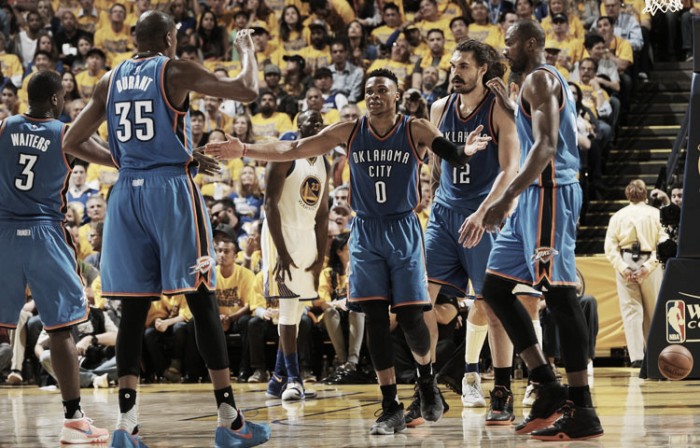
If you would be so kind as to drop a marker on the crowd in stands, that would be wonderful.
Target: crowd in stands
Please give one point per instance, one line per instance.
(312, 55)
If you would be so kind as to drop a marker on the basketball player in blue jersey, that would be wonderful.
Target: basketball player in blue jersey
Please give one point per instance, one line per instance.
(157, 236)
(37, 249)
(293, 239)
(387, 265)
(536, 245)
(462, 195)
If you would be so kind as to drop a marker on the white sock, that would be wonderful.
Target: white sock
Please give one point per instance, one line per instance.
(128, 421)
(476, 335)
(226, 415)
(538, 330)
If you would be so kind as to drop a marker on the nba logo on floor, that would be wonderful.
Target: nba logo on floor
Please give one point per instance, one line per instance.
(675, 321)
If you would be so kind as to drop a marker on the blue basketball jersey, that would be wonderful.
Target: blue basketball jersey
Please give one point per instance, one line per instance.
(383, 170)
(564, 169)
(145, 130)
(33, 169)
(466, 187)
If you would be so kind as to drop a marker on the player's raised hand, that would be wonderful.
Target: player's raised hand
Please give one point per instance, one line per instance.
(207, 164)
(243, 40)
(232, 148)
(476, 142)
(504, 95)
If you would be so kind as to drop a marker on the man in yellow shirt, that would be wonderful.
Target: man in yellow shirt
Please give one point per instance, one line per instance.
(88, 79)
(10, 64)
(571, 48)
(482, 29)
(430, 18)
(399, 63)
(115, 37)
(438, 57)
(318, 54)
(391, 16)
(213, 117)
(269, 124)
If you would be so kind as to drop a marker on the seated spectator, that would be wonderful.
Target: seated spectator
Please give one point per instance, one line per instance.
(291, 30)
(212, 38)
(269, 124)
(399, 63)
(361, 52)
(96, 208)
(346, 77)
(285, 102)
(158, 338)
(78, 190)
(438, 57)
(18, 338)
(95, 339)
(114, 37)
(248, 195)
(12, 67)
(218, 186)
(95, 67)
(414, 105)
(95, 240)
(562, 7)
(338, 320)
(251, 256)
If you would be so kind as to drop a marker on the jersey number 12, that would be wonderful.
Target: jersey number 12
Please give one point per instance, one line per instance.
(461, 175)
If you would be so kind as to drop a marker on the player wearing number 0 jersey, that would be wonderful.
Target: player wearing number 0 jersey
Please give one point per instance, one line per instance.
(387, 271)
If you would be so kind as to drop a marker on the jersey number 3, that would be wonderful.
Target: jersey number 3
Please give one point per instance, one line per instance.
(26, 182)
(134, 119)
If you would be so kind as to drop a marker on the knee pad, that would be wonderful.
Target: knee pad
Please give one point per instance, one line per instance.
(573, 331)
(498, 293)
(416, 332)
(380, 345)
(290, 312)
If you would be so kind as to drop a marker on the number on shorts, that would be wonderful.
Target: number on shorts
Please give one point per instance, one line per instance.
(141, 122)
(461, 175)
(380, 190)
(27, 161)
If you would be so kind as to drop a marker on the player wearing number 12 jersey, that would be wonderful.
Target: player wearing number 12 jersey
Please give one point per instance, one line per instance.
(157, 236)
(387, 267)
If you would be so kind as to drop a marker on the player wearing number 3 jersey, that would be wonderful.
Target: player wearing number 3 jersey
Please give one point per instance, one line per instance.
(387, 267)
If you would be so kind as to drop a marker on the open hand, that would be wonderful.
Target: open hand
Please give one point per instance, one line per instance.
(230, 149)
(207, 164)
(496, 213)
(472, 230)
(282, 268)
(476, 142)
(504, 95)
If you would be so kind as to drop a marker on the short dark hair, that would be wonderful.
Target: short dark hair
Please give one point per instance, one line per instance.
(340, 41)
(42, 52)
(675, 186)
(592, 61)
(10, 86)
(459, 19)
(592, 39)
(391, 5)
(609, 19)
(226, 203)
(530, 29)
(196, 113)
(435, 30)
(383, 73)
(151, 29)
(42, 86)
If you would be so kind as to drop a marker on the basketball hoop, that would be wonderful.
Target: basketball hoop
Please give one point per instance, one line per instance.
(653, 6)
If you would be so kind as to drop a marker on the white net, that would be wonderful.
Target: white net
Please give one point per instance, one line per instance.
(654, 6)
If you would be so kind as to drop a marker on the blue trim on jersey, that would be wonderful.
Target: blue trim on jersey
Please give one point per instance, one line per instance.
(33, 169)
(565, 167)
(465, 188)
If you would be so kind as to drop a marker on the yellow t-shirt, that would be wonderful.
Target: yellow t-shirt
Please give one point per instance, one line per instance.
(588, 97)
(236, 291)
(571, 47)
(255, 260)
(622, 48)
(11, 65)
(490, 34)
(316, 58)
(85, 248)
(576, 29)
(105, 176)
(167, 308)
(87, 82)
(381, 34)
(267, 129)
(112, 43)
(403, 71)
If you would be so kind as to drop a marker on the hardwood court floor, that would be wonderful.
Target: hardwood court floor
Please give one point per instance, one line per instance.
(635, 413)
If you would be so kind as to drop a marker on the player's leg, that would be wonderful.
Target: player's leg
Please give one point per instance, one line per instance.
(51, 272)
(476, 331)
(289, 317)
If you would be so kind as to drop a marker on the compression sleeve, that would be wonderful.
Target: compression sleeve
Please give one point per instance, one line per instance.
(449, 151)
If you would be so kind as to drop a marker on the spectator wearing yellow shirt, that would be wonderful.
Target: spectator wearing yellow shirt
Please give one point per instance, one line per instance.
(212, 38)
(115, 37)
(620, 49)
(336, 14)
(423, 208)
(96, 208)
(482, 29)
(260, 12)
(251, 255)
(88, 79)
(163, 315)
(429, 17)
(562, 7)
(459, 27)
(88, 16)
(318, 54)
(217, 186)
(314, 101)
(399, 63)
(10, 64)
(525, 9)
(391, 16)
(140, 6)
(291, 31)
(324, 80)
(572, 49)
(269, 124)
(438, 57)
(213, 117)
(264, 52)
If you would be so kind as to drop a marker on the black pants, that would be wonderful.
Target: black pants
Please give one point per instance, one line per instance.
(261, 330)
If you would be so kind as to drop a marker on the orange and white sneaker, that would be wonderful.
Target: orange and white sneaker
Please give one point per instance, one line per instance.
(81, 431)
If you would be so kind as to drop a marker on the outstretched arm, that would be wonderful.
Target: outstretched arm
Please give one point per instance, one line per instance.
(282, 151)
(427, 137)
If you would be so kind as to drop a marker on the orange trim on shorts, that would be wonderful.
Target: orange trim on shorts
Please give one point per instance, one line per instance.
(9, 326)
(367, 299)
(418, 302)
(444, 283)
(131, 294)
(73, 322)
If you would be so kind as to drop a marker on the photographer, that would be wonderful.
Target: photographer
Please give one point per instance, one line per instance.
(670, 212)
(630, 244)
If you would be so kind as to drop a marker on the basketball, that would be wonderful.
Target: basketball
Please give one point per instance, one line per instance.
(675, 362)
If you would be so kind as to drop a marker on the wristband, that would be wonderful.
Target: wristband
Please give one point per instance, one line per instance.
(94, 340)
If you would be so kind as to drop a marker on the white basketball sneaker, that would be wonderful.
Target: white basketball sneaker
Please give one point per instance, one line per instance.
(472, 397)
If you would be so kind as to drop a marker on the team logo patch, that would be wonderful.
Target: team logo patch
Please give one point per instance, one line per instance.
(203, 265)
(310, 190)
(675, 321)
(544, 254)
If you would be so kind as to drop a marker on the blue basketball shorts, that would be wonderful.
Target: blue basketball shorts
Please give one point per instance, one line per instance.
(157, 236)
(40, 255)
(449, 263)
(537, 244)
(387, 262)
